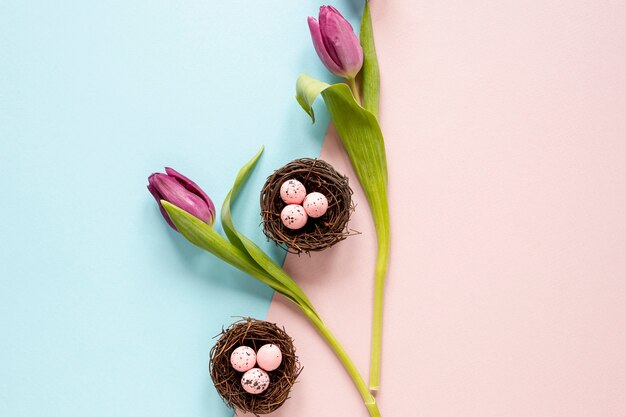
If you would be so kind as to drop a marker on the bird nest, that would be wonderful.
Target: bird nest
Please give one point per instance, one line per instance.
(319, 233)
(253, 333)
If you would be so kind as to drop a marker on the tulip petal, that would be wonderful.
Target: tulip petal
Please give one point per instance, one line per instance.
(194, 188)
(174, 192)
(318, 43)
(339, 37)
(327, 12)
(158, 199)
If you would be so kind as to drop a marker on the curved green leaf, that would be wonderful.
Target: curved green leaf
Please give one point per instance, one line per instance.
(362, 138)
(205, 237)
(249, 248)
(370, 73)
(227, 221)
(358, 128)
(307, 90)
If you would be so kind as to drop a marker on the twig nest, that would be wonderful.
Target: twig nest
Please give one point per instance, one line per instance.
(326, 205)
(256, 391)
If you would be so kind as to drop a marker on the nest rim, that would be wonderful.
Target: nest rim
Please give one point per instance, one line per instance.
(319, 233)
(227, 381)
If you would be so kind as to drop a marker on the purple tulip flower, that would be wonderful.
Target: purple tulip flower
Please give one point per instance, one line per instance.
(336, 43)
(180, 191)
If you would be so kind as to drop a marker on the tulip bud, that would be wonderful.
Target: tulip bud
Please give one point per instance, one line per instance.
(179, 190)
(336, 43)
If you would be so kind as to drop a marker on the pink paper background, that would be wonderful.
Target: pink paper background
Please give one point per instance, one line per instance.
(505, 124)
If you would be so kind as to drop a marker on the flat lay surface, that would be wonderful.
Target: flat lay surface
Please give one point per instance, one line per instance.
(506, 295)
(105, 310)
(505, 135)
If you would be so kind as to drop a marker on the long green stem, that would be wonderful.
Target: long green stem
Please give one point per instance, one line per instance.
(382, 258)
(340, 352)
(355, 89)
(207, 238)
(370, 84)
(313, 317)
(350, 367)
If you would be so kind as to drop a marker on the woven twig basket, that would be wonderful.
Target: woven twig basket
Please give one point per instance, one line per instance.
(320, 233)
(227, 381)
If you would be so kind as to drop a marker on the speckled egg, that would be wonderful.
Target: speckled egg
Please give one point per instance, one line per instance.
(292, 192)
(293, 216)
(315, 204)
(243, 358)
(269, 357)
(255, 381)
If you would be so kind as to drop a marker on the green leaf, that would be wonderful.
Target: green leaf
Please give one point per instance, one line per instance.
(370, 73)
(205, 237)
(360, 134)
(251, 250)
(307, 90)
(362, 138)
(358, 128)
(227, 221)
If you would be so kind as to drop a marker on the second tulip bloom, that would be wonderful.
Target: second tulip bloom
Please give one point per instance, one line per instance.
(336, 43)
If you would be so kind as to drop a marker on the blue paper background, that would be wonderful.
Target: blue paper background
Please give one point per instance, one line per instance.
(105, 311)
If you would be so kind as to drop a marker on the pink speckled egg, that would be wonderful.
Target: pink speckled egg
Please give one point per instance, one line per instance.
(269, 357)
(292, 192)
(255, 381)
(293, 216)
(243, 358)
(315, 204)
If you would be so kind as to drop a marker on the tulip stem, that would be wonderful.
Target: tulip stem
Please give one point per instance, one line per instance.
(370, 87)
(342, 355)
(355, 89)
(382, 259)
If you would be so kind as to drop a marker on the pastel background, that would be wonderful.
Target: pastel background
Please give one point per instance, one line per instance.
(105, 311)
(506, 139)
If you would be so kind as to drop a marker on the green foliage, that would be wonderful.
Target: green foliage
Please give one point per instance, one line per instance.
(362, 138)
(245, 255)
(370, 73)
(256, 254)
